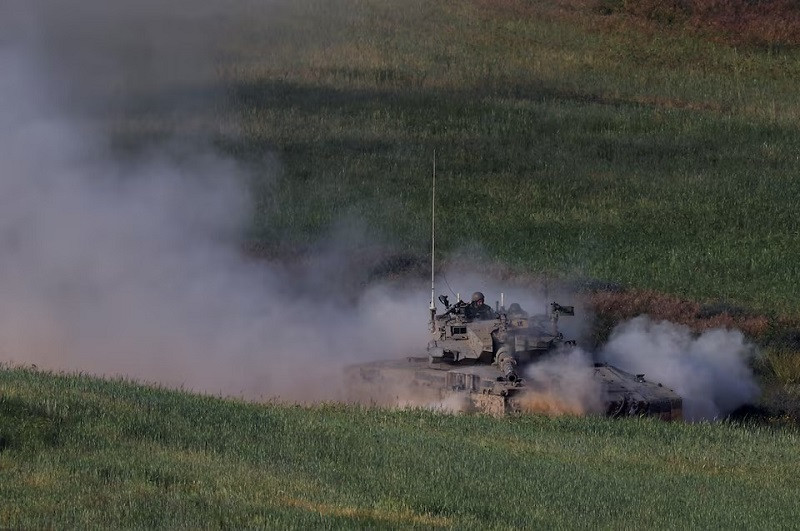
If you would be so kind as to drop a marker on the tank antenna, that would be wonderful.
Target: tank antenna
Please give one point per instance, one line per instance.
(433, 244)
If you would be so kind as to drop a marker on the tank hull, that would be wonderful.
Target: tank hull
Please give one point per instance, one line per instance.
(471, 386)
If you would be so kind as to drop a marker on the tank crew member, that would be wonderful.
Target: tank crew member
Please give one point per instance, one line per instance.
(477, 309)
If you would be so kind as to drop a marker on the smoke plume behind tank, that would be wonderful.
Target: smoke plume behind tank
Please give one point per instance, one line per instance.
(710, 371)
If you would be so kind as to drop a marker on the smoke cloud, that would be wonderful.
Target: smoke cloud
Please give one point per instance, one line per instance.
(135, 269)
(564, 384)
(133, 266)
(710, 372)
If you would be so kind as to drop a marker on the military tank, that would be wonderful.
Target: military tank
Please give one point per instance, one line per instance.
(494, 362)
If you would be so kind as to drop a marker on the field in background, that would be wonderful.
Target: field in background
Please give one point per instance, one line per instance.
(569, 141)
(77, 452)
(648, 146)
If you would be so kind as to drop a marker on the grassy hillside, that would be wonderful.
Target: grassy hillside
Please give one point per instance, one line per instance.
(646, 147)
(573, 138)
(77, 451)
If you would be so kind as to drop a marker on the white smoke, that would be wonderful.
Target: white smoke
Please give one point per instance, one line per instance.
(133, 266)
(710, 371)
(135, 269)
(563, 383)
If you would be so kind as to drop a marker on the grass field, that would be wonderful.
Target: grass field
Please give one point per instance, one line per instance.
(587, 139)
(77, 452)
(569, 142)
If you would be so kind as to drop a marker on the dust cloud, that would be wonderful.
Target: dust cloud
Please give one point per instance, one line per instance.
(709, 371)
(133, 266)
(563, 384)
(136, 269)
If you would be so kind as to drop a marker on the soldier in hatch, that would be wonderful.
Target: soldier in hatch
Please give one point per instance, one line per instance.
(477, 309)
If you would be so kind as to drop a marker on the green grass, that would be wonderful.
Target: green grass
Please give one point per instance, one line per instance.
(784, 364)
(568, 142)
(78, 451)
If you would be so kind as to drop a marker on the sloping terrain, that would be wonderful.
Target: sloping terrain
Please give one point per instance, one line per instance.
(78, 451)
(587, 144)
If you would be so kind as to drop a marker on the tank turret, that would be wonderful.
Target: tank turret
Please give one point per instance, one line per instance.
(506, 335)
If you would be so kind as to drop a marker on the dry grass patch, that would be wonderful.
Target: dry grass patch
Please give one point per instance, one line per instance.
(389, 516)
(766, 23)
(784, 363)
(698, 317)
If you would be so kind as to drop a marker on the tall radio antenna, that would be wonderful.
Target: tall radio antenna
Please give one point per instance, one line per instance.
(433, 243)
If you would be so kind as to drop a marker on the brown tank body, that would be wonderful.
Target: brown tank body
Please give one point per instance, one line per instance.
(489, 365)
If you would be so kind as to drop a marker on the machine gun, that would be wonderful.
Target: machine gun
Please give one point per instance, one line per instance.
(457, 308)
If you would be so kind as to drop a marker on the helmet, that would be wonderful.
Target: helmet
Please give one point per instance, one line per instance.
(477, 296)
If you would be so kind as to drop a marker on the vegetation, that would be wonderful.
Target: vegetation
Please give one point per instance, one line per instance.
(766, 23)
(569, 141)
(77, 451)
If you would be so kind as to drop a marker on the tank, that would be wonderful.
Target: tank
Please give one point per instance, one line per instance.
(506, 361)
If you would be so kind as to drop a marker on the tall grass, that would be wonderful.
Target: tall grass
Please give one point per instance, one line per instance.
(78, 451)
(784, 364)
